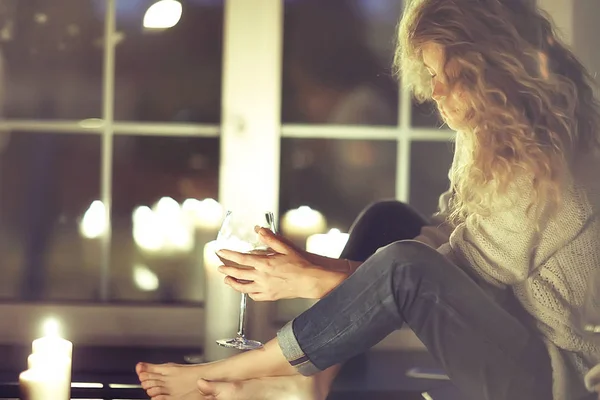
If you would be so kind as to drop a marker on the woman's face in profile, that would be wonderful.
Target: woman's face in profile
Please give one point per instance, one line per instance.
(450, 103)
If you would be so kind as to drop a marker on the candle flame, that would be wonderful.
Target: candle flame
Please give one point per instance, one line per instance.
(51, 327)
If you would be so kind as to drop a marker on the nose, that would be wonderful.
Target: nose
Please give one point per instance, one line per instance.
(439, 91)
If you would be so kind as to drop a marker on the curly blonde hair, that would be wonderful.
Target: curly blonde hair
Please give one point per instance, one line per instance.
(531, 102)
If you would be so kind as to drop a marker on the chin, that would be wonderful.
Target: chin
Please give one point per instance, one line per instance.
(450, 124)
(456, 124)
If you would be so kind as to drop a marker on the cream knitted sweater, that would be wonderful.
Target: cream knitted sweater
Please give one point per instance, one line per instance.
(547, 269)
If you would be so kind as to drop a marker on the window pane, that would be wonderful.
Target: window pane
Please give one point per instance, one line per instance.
(163, 261)
(51, 59)
(170, 74)
(47, 182)
(429, 166)
(336, 177)
(337, 62)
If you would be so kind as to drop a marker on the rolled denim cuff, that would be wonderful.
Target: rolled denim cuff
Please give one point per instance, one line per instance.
(293, 352)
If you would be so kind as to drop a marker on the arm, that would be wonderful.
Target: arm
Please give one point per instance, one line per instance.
(332, 264)
(287, 274)
(327, 273)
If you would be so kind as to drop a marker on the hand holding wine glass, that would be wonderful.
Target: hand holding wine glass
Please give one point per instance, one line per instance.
(285, 273)
(237, 234)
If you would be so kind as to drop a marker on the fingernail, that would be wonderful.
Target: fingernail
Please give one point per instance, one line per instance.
(220, 253)
(220, 269)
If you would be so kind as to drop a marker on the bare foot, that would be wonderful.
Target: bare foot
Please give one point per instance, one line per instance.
(173, 381)
(193, 395)
(289, 387)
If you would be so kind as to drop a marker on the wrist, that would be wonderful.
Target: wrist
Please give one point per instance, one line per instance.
(323, 281)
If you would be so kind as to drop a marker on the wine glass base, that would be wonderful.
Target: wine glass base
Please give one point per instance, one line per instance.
(240, 343)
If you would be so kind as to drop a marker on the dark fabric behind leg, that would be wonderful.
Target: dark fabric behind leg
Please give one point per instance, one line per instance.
(380, 224)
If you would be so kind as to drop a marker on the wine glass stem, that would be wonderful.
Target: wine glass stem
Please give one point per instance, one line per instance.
(242, 315)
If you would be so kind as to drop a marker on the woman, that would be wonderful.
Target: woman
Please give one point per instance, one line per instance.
(497, 304)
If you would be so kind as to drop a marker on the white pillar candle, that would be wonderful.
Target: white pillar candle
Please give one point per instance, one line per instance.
(330, 244)
(221, 307)
(206, 214)
(52, 345)
(52, 363)
(302, 222)
(51, 342)
(41, 384)
(49, 373)
(51, 352)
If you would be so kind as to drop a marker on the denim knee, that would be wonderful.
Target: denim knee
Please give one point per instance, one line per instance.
(409, 263)
(406, 252)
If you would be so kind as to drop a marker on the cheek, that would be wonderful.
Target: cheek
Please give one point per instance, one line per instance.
(459, 99)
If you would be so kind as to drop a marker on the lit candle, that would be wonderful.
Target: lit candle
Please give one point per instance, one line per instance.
(52, 343)
(206, 214)
(302, 222)
(177, 231)
(49, 362)
(221, 307)
(42, 384)
(162, 230)
(93, 225)
(92, 228)
(52, 364)
(49, 373)
(330, 244)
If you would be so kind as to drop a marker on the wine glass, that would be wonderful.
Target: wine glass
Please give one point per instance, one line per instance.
(237, 233)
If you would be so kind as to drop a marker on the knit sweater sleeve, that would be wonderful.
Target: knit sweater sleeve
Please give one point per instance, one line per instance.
(503, 246)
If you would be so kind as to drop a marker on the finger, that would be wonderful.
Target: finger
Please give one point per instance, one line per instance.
(241, 287)
(238, 273)
(273, 241)
(249, 260)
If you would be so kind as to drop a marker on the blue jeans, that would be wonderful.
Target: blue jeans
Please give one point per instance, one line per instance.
(478, 333)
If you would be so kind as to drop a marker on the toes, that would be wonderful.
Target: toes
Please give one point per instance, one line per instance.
(154, 368)
(152, 383)
(140, 367)
(148, 376)
(157, 391)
